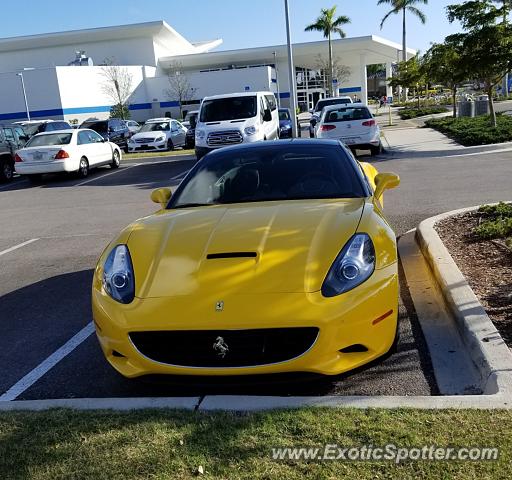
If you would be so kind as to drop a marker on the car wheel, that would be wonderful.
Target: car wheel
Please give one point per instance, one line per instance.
(376, 150)
(116, 159)
(83, 168)
(35, 178)
(6, 171)
(170, 145)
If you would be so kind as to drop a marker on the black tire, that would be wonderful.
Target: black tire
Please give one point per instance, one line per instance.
(83, 168)
(116, 159)
(6, 171)
(376, 150)
(170, 145)
(35, 178)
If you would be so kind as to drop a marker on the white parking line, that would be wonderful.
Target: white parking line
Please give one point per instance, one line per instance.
(123, 169)
(3, 252)
(14, 183)
(33, 376)
(180, 175)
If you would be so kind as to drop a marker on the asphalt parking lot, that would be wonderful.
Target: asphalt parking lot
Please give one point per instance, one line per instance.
(52, 234)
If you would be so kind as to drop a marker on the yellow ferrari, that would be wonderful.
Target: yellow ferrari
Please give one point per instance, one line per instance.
(268, 258)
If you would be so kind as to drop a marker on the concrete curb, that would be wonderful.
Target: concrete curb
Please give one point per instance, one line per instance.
(138, 403)
(489, 352)
(248, 403)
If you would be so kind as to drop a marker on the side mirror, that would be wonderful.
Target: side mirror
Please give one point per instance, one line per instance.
(385, 181)
(161, 196)
(267, 116)
(311, 110)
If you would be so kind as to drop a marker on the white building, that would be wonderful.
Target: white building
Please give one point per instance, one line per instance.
(148, 51)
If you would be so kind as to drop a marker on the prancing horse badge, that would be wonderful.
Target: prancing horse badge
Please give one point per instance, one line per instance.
(219, 306)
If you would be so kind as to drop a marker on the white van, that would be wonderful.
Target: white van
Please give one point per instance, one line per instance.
(236, 118)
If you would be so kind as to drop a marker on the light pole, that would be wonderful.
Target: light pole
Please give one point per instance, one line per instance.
(277, 79)
(24, 94)
(291, 72)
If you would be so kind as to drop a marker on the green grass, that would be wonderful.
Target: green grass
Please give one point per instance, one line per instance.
(474, 131)
(62, 444)
(408, 113)
(130, 156)
(497, 222)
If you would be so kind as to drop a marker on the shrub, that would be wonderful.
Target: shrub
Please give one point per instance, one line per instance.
(497, 222)
(407, 113)
(474, 131)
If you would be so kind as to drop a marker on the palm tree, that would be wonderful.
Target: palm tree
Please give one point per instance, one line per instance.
(403, 6)
(328, 23)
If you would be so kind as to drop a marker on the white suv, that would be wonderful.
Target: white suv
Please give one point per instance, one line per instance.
(158, 134)
(236, 118)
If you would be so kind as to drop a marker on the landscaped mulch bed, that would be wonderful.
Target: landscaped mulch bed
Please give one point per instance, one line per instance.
(487, 266)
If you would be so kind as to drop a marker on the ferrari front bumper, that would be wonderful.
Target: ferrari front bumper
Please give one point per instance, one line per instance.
(353, 328)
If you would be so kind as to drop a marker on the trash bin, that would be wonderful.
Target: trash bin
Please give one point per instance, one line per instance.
(465, 109)
(482, 107)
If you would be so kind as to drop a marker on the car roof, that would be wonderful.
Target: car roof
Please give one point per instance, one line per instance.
(161, 119)
(66, 130)
(240, 94)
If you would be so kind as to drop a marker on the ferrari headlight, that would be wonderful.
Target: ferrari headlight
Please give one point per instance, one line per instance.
(353, 266)
(118, 278)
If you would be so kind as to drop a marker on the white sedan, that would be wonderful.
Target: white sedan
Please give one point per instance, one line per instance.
(66, 151)
(353, 124)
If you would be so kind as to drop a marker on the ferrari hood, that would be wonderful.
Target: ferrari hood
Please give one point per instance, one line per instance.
(265, 247)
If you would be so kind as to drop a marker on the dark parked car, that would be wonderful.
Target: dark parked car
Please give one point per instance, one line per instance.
(285, 123)
(33, 127)
(190, 138)
(114, 130)
(12, 138)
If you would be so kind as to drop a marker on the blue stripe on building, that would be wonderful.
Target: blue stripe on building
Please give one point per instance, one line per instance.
(284, 95)
(350, 89)
(169, 104)
(59, 112)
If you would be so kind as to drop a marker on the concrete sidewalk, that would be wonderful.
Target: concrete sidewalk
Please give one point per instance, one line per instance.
(426, 142)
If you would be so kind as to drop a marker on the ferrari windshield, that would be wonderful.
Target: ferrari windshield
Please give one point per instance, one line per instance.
(265, 173)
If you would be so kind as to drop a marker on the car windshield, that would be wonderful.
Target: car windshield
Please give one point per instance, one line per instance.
(231, 108)
(284, 115)
(31, 128)
(96, 126)
(270, 173)
(347, 114)
(333, 101)
(155, 127)
(49, 140)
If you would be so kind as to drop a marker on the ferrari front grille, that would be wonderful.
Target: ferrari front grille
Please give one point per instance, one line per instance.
(224, 348)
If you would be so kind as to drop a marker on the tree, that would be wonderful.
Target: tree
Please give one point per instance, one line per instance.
(486, 42)
(403, 6)
(117, 86)
(179, 86)
(443, 64)
(328, 23)
(409, 74)
(339, 71)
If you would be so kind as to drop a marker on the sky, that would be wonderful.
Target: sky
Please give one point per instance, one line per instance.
(240, 23)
